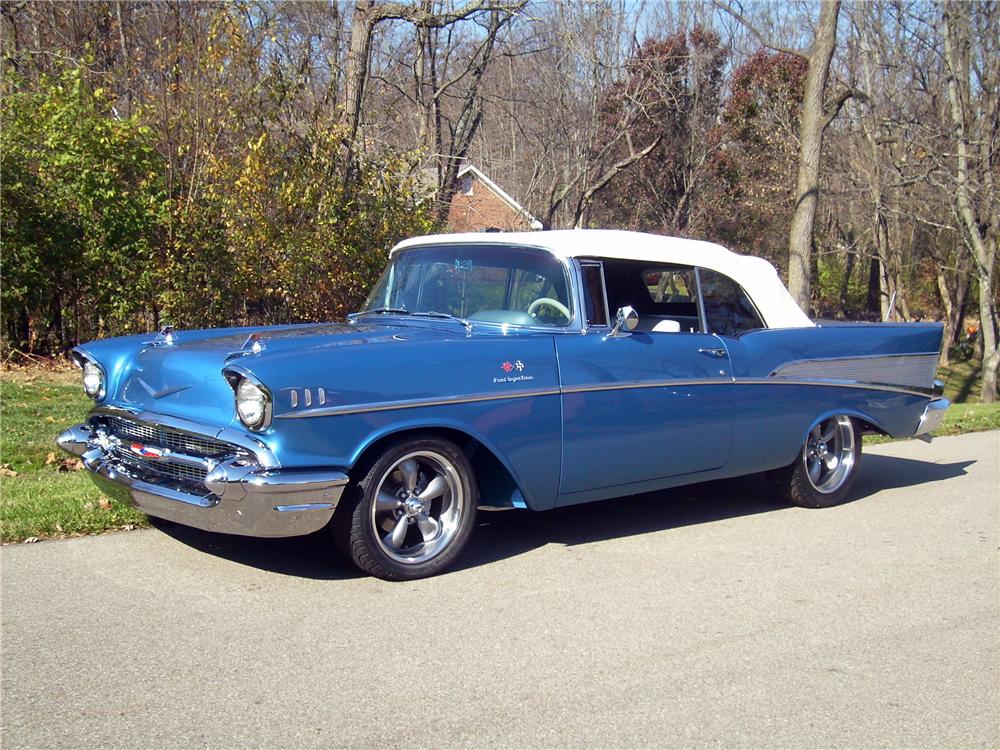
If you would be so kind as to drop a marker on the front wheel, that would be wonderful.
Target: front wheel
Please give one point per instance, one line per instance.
(412, 513)
(827, 465)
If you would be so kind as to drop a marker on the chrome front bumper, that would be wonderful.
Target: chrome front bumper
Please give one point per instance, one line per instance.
(237, 495)
(930, 420)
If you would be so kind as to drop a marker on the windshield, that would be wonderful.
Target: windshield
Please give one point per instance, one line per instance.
(480, 283)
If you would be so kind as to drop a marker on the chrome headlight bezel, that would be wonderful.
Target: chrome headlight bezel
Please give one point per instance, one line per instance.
(247, 388)
(90, 368)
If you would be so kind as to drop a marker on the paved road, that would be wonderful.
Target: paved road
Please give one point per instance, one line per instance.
(698, 618)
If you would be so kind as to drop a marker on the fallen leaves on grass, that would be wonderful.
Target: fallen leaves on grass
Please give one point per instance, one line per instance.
(51, 458)
(70, 464)
(6, 471)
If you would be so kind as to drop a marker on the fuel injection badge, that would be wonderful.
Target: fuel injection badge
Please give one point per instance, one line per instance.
(509, 368)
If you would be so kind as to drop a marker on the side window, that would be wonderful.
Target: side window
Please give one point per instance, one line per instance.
(671, 285)
(672, 304)
(728, 309)
(593, 291)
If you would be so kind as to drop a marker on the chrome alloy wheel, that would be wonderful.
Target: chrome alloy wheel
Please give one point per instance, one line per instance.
(828, 453)
(418, 508)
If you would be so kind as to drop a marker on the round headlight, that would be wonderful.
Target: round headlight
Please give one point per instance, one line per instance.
(251, 404)
(93, 379)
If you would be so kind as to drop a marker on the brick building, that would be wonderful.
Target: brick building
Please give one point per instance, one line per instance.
(481, 205)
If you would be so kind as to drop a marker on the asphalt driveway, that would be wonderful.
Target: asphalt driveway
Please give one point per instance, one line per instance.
(701, 617)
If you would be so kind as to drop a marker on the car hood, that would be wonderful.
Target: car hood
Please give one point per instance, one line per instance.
(184, 378)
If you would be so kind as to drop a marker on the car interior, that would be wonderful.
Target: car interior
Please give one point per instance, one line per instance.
(666, 298)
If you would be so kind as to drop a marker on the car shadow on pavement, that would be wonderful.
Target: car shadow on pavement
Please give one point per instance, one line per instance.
(311, 556)
(889, 473)
(507, 534)
(504, 534)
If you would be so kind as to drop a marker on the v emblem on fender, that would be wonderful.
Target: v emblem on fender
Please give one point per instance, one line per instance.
(160, 394)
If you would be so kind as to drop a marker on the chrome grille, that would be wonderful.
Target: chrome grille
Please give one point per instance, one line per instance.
(163, 467)
(166, 437)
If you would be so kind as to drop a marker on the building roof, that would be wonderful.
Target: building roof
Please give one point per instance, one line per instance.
(758, 277)
(499, 192)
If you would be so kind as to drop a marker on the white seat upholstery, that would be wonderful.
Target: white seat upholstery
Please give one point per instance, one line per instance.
(667, 326)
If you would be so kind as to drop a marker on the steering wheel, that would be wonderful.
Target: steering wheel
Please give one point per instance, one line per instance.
(553, 303)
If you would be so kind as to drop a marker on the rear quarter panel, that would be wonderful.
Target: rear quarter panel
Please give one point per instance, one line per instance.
(788, 379)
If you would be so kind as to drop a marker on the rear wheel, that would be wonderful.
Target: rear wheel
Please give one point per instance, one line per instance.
(827, 465)
(412, 513)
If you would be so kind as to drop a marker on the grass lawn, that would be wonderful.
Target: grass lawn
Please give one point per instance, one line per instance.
(962, 380)
(41, 495)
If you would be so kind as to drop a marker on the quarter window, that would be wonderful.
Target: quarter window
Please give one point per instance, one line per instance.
(593, 287)
(728, 309)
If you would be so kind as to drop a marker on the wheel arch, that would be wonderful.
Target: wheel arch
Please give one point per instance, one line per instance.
(868, 423)
(496, 480)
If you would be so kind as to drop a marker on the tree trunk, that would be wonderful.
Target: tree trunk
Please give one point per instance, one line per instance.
(355, 77)
(811, 125)
(845, 285)
(872, 305)
(950, 322)
(982, 236)
(953, 301)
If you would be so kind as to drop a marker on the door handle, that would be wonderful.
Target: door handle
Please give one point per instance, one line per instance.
(718, 353)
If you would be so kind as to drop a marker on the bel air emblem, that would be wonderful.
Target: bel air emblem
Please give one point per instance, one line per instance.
(146, 451)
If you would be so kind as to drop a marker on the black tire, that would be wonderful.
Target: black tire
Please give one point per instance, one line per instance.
(825, 470)
(418, 536)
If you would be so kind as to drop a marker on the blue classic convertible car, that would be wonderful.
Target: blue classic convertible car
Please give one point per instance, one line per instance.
(509, 370)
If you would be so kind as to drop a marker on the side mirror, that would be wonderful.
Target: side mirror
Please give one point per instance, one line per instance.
(627, 319)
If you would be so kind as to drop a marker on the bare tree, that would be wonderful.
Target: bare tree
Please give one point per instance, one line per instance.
(972, 60)
(813, 121)
(432, 77)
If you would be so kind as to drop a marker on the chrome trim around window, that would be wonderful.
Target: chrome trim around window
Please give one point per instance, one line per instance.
(702, 317)
(583, 291)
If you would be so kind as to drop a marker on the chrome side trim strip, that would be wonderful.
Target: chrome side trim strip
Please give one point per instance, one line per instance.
(832, 383)
(646, 384)
(414, 403)
(303, 506)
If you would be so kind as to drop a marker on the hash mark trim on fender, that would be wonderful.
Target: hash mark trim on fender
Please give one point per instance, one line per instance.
(414, 403)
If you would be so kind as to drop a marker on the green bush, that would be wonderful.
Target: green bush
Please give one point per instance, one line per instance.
(97, 241)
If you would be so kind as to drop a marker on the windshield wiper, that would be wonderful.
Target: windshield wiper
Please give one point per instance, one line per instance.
(386, 311)
(444, 316)
(422, 314)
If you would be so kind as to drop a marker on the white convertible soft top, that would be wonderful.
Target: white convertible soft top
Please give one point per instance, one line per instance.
(758, 277)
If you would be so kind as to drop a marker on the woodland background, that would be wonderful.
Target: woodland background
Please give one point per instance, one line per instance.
(205, 163)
